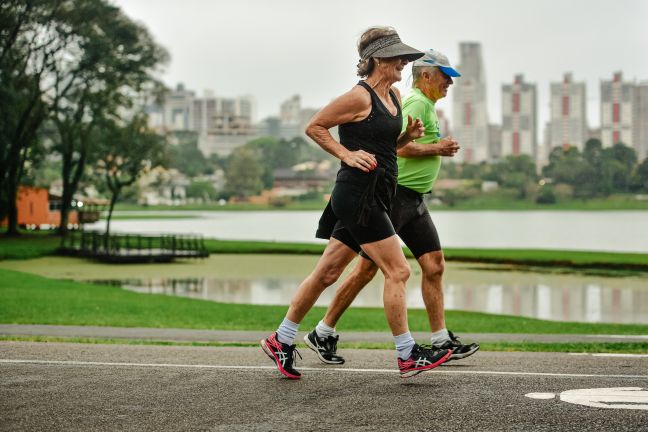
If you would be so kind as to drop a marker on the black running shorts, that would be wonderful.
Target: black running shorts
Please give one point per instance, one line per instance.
(343, 207)
(413, 223)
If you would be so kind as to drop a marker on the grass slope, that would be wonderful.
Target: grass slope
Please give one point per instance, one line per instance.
(30, 299)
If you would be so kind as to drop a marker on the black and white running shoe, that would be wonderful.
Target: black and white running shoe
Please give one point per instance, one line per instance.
(282, 354)
(324, 347)
(423, 357)
(459, 350)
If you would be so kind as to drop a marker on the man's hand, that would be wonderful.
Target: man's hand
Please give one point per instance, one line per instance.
(414, 129)
(447, 146)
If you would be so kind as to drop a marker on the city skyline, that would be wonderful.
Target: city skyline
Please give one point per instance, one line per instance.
(309, 48)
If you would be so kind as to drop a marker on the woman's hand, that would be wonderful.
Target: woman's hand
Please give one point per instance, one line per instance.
(360, 159)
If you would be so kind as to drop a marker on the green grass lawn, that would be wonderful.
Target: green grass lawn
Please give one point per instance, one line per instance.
(500, 201)
(26, 246)
(152, 216)
(35, 245)
(31, 299)
(484, 201)
(576, 347)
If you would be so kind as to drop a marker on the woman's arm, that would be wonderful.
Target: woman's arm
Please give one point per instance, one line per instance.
(351, 106)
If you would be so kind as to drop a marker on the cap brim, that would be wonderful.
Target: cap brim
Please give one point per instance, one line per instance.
(449, 71)
(399, 50)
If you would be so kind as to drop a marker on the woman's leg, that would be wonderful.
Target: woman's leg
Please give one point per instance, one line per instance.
(334, 260)
(279, 346)
(389, 257)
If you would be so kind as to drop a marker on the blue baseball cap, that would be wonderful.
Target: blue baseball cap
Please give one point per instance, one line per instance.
(435, 58)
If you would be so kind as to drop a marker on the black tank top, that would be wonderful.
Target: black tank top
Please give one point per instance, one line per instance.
(376, 134)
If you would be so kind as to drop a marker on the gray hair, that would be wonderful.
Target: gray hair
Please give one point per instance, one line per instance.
(366, 66)
(417, 72)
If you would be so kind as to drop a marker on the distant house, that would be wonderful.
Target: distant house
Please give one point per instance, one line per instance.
(38, 209)
(304, 177)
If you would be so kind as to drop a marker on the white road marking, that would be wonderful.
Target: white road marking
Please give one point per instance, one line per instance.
(312, 369)
(540, 395)
(619, 336)
(615, 398)
(610, 355)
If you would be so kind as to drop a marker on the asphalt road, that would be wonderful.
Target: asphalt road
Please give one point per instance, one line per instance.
(53, 387)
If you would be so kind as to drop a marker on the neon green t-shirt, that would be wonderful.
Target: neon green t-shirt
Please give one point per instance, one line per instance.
(420, 173)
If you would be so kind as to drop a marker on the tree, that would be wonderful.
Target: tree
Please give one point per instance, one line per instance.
(73, 61)
(110, 64)
(126, 150)
(28, 42)
(243, 174)
(185, 156)
(640, 178)
(202, 189)
(619, 161)
(264, 148)
(517, 172)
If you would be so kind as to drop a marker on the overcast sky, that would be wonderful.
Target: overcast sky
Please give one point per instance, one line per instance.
(274, 49)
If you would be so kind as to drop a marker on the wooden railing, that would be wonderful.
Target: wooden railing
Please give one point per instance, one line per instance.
(132, 247)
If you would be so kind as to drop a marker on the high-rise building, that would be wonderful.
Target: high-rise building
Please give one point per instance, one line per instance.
(641, 143)
(176, 113)
(291, 122)
(568, 124)
(519, 118)
(618, 111)
(470, 116)
(222, 124)
(494, 141)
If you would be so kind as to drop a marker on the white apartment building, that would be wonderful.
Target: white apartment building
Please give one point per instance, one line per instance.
(618, 114)
(470, 116)
(222, 124)
(568, 121)
(641, 143)
(519, 118)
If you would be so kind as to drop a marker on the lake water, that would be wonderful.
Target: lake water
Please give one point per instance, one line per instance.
(273, 279)
(621, 231)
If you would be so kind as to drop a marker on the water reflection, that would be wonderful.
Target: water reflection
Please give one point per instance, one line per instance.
(539, 295)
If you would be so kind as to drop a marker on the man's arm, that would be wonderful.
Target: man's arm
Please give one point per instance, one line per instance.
(445, 147)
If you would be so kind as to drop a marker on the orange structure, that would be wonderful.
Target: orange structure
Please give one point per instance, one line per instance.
(38, 209)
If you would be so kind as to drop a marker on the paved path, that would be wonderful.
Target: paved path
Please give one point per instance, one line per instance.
(62, 386)
(255, 336)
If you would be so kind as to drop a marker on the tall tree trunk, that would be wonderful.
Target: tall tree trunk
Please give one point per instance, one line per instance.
(113, 200)
(12, 207)
(71, 179)
(14, 174)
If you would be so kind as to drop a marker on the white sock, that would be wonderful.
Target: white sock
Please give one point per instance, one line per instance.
(287, 332)
(440, 337)
(323, 330)
(404, 344)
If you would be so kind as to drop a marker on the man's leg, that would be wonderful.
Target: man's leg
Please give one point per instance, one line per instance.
(432, 266)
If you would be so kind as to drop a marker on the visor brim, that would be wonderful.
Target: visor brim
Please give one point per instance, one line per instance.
(399, 50)
(449, 71)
